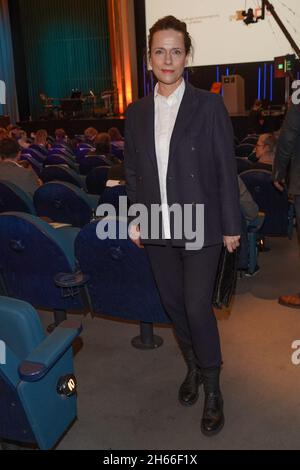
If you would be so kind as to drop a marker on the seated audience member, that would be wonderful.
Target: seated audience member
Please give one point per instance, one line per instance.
(265, 149)
(11, 170)
(23, 140)
(103, 147)
(62, 138)
(117, 142)
(256, 118)
(40, 138)
(90, 135)
(115, 135)
(14, 132)
(3, 133)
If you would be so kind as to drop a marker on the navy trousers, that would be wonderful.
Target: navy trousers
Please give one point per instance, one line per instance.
(185, 280)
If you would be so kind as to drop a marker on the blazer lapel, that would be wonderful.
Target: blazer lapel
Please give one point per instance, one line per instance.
(147, 118)
(185, 114)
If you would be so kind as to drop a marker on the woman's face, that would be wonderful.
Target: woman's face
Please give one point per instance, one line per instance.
(168, 57)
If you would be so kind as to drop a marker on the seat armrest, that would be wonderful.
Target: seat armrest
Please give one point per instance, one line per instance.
(49, 351)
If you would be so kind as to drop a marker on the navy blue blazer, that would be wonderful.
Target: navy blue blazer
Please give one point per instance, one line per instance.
(201, 167)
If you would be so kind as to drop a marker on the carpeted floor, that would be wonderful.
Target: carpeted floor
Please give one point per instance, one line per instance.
(127, 399)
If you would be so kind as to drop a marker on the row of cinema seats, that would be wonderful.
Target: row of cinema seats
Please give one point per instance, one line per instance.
(58, 201)
(37, 384)
(78, 161)
(65, 203)
(93, 183)
(112, 275)
(39, 266)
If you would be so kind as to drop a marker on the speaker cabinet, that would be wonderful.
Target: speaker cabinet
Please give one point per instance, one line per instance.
(234, 94)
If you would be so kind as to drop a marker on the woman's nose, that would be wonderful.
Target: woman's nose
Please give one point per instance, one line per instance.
(168, 58)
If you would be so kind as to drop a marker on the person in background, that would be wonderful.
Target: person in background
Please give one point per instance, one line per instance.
(265, 149)
(3, 133)
(23, 141)
(40, 138)
(286, 173)
(62, 138)
(117, 142)
(103, 148)
(90, 135)
(14, 132)
(255, 118)
(115, 135)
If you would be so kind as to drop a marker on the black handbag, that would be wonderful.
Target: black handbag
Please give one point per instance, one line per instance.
(225, 282)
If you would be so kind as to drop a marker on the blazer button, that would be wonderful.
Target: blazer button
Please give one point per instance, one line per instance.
(193, 148)
(192, 175)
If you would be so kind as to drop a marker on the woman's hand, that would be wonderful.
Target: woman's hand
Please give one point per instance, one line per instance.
(279, 185)
(134, 235)
(231, 242)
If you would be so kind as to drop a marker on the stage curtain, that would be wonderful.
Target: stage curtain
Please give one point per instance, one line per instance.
(7, 72)
(66, 47)
(123, 47)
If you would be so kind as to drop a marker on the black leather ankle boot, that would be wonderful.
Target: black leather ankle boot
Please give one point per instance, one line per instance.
(189, 389)
(213, 417)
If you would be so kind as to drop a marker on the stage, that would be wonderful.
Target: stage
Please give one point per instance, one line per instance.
(74, 126)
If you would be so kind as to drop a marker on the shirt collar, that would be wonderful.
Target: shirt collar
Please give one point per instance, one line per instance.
(175, 97)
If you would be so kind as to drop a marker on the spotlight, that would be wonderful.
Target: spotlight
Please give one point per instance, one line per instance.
(249, 17)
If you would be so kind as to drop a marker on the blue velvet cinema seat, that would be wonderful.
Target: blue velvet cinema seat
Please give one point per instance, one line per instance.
(64, 202)
(62, 173)
(275, 204)
(37, 382)
(96, 179)
(89, 162)
(112, 194)
(244, 150)
(59, 159)
(32, 253)
(120, 283)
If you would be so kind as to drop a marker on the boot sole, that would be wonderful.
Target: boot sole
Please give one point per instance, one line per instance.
(215, 431)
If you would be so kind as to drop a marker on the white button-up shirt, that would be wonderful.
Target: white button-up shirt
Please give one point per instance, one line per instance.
(166, 110)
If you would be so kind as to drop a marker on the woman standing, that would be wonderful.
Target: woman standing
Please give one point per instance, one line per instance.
(179, 150)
